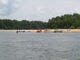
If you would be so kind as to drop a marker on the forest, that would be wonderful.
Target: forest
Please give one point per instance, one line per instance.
(67, 21)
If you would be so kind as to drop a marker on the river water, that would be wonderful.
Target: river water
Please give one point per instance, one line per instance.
(39, 46)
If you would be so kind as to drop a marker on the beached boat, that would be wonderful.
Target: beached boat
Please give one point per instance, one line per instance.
(39, 31)
(20, 31)
(57, 31)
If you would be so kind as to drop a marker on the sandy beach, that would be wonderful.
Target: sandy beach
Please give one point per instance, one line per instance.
(44, 30)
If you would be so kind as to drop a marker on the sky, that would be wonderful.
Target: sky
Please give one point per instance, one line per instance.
(41, 10)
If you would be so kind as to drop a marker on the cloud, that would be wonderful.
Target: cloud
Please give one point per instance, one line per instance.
(10, 5)
(4, 1)
(3, 11)
(38, 9)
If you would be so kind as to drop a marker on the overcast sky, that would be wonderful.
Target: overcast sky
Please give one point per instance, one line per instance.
(37, 9)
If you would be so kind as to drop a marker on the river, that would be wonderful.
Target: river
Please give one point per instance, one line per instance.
(39, 46)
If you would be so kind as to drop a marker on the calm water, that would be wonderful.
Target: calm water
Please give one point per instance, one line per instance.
(39, 46)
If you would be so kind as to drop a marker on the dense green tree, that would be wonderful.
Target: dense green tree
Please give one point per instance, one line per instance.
(24, 24)
(67, 21)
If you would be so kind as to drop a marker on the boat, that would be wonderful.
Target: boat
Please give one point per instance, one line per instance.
(57, 31)
(20, 31)
(39, 31)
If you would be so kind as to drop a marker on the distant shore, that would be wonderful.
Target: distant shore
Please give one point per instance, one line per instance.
(44, 30)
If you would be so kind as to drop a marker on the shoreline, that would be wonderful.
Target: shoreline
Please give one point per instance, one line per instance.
(44, 30)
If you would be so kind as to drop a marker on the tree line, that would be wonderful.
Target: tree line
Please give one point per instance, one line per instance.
(67, 21)
(24, 24)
